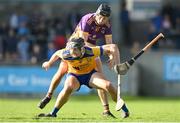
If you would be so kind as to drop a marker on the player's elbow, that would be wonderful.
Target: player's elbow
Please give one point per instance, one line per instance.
(113, 47)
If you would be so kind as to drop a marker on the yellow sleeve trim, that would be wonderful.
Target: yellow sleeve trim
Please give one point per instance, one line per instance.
(108, 36)
(86, 33)
(83, 34)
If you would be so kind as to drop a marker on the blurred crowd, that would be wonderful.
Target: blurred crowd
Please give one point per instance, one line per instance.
(33, 38)
(166, 21)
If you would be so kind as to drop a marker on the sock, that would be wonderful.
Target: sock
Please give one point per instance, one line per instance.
(49, 95)
(55, 110)
(124, 108)
(106, 108)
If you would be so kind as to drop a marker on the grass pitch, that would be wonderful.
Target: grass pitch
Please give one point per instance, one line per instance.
(88, 109)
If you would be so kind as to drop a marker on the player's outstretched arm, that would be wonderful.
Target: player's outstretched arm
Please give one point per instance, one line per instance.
(47, 64)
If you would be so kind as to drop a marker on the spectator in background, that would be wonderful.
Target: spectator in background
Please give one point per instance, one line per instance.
(3, 31)
(169, 10)
(51, 31)
(60, 39)
(59, 42)
(160, 24)
(1, 48)
(178, 32)
(22, 18)
(166, 24)
(23, 48)
(4, 27)
(125, 24)
(152, 32)
(36, 54)
(157, 22)
(42, 38)
(59, 27)
(51, 50)
(14, 21)
(178, 25)
(11, 46)
(34, 21)
(23, 29)
(73, 19)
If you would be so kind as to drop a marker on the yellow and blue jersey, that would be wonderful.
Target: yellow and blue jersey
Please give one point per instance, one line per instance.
(83, 65)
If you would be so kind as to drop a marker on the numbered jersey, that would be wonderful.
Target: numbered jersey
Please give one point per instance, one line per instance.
(83, 65)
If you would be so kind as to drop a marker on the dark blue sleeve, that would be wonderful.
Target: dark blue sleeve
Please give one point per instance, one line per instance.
(101, 51)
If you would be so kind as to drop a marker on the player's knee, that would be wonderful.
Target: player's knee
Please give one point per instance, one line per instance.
(108, 85)
(69, 87)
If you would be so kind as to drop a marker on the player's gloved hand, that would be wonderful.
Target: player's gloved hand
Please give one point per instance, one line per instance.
(121, 69)
(46, 65)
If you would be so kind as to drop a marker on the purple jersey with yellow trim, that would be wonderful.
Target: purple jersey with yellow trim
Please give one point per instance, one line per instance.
(83, 65)
(88, 25)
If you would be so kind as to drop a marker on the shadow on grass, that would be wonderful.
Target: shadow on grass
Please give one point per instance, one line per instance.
(56, 118)
(16, 118)
(74, 119)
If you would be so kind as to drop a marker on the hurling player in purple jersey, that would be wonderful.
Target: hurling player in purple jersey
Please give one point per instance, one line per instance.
(91, 27)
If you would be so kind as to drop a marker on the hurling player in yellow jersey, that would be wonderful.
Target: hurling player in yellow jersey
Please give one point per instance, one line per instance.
(81, 70)
(92, 26)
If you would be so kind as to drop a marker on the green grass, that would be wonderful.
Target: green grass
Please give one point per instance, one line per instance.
(88, 108)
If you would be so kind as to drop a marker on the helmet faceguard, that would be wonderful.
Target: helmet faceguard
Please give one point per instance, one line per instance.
(75, 43)
(104, 10)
